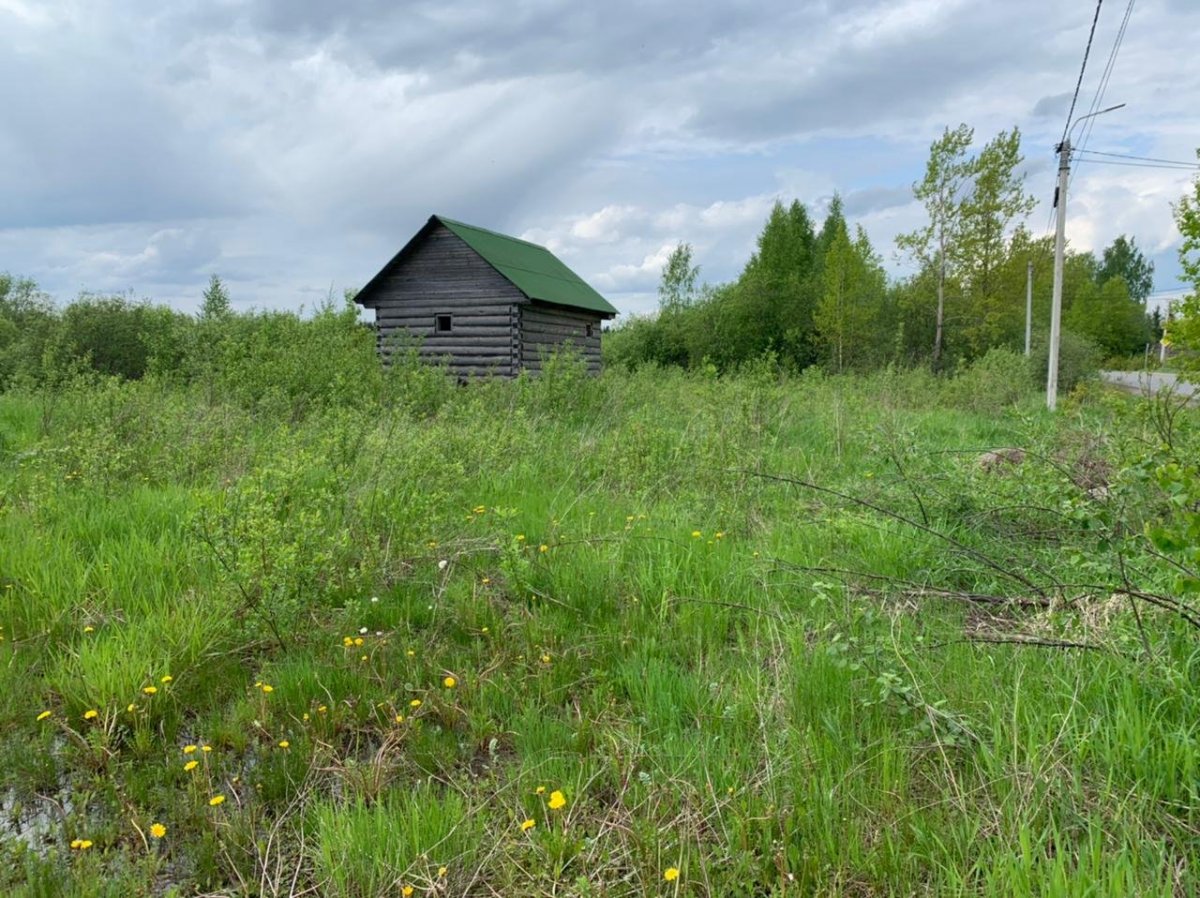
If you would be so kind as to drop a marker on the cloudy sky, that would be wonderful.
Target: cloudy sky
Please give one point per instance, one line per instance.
(292, 146)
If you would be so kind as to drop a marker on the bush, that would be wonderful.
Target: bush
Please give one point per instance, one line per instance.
(286, 365)
(120, 337)
(998, 379)
(1078, 360)
(27, 323)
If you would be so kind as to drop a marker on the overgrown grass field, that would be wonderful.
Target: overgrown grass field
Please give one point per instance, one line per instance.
(653, 634)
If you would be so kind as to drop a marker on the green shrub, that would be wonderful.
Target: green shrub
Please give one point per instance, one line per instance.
(998, 379)
(283, 364)
(122, 337)
(1078, 359)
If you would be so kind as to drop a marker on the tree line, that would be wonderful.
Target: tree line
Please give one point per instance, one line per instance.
(811, 296)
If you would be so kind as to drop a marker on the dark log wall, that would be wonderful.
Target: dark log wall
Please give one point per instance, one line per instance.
(444, 276)
(546, 328)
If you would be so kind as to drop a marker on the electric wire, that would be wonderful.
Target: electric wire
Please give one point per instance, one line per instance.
(1178, 168)
(1083, 68)
(1142, 158)
(1074, 98)
(1105, 77)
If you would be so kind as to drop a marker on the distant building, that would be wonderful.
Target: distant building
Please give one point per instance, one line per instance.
(485, 302)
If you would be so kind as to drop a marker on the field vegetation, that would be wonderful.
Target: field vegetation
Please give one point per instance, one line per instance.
(276, 621)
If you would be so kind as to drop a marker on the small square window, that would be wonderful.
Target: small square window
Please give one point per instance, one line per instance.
(589, 330)
(441, 324)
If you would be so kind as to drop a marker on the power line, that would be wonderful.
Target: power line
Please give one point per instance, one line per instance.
(1179, 168)
(1079, 83)
(1106, 75)
(1074, 98)
(1140, 158)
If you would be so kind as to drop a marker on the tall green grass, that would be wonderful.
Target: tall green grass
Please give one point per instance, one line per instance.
(729, 675)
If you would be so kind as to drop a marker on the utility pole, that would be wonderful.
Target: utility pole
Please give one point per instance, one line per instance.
(1028, 306)
(1060, 239)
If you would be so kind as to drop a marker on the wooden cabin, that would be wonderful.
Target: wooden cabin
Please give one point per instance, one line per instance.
(484, 302)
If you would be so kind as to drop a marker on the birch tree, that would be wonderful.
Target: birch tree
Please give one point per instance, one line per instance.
(942, 191)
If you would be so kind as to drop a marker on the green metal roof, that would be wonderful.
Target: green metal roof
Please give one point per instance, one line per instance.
(533, 269)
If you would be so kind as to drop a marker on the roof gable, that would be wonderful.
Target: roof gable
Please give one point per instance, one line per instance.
(532, 269)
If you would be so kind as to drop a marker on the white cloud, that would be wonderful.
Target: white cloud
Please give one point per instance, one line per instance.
(295, 144)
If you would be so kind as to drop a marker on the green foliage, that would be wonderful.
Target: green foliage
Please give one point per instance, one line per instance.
(28, 323)
(283, 364)
(1183, 331)
(850, 304)
(1123, 259)
(1108, 316)
(215, 303)
(625, 607)
(997, 380)
(119, 337)
(1079, 360)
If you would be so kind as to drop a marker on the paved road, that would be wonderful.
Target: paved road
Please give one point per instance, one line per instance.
(1150, 382)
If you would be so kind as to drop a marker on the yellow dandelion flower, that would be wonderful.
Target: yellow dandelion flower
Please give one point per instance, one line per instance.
(206, 748)
(441, 872)
(131, 707)
(150, 690)
(216, 800)
(191, 765)
(696, 534)
(628, 518)
(406, 891)
(157, 830)
(415, 703)
(546, 659)
(358, 640)
(89, 629)
(267, 688)
(479, 509)
(43, 715)
(543, 548)
(363, 658)
(304, 716)
(321, 709)
(91, 714)
(484, 630)
(347, 641)
(411, 653)
(557, 800)
(520, 537)
(188, 749)
(527, 825)
(449, 682)
(81, 844)
(540, 790)
(486, 580)
(283, 743)
(399, 718)
(671, 874)
(720, 534)
(75, 843)
(166, 678)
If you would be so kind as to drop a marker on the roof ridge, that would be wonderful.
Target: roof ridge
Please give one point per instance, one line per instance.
(462, 224)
